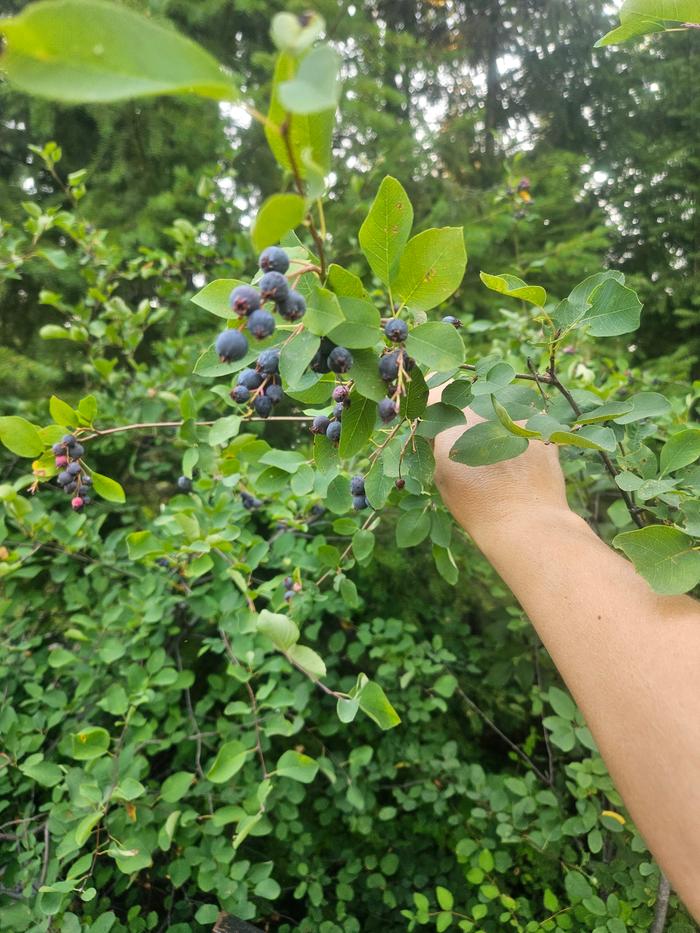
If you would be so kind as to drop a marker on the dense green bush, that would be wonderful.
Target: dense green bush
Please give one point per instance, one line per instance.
(169, 751)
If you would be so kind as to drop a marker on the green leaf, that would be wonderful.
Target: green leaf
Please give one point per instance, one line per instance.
(444, 898)
(445, 564)
(279, 214)
(569, 312)
(680, 450)
(614, 310)
(514, 287)
(386, 229)
(90, 742)
(562, 704)
(644, 405)
(365, 375)
(358, 423)
(436, 345)
(311, 662)
(641, 17)
(224, 429)
(21, 437)
(296, 355)
(508, 422)
(214, 297)
(346, 709)
(593, 437)
(282, 632)
(439, 417)
(315, 87)
(142, 543)
(431, 268)
(324, 313)
(62, 413)
(86, 826)
(90, 51)
(176, 786)
(106, 487)
(493, 379)
(487, 442)
(412, 528)
(374, 703)
(577, 887)
(45, 773)
(664, 556)
(229, 760)
(362, 544)
(345, 283)
(419, 461)
(605, 412)
(298, 767)
(415, 400)
(361, 326)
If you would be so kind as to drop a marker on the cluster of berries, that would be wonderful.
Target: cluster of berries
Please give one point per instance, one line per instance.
(331, 426)
(247, 302)
(250, 502)
(357, 491)
(260, 386)
(72, 478)
(291, 589)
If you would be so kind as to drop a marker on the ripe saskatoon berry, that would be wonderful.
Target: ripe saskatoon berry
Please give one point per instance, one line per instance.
(250, 502)
(359, 503)
(340, 393)
(77, 503)
(338, 410)
(184, 483)
(250, 379)
(319, 364)
(451, 319)
(87, 480)
(293, 307)
(387, 410)
(357, 486)
(68, 439)
(273, 259)
(244, 299)
(231, 345)
(274, 393)
(70, 488)
(288, 583)
(263, 405)
(340, 360)
(396, 330)
(59, 449)
(240, 394)
(76, 451)
(61, 461)
(320, 424)
(269, 362)
(389, 366)
(261, 324)
(400, 483)
(73, 468)
(274, 287)
(333, 432)
(63, 478)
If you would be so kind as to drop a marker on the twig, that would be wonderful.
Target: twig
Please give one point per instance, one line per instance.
(145, 425)
(47, 852)
(253, 702)
(663, 893)
(534, 372)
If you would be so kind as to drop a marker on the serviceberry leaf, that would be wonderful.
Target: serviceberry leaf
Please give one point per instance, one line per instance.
(386, 229)
(664, 556)
(62, 413)
(374, 703)
(415, 399)
(20, 436)
(508, 422)
(297, 766)
(431, 268)
(295, 356)
(439, 417)
(358, 423)
(412, 528)
(614, 310)
(514, 287)
(279, 214)
(361, 325)
(345, 283)
(641, 17)
(324, 313)
(214, 297)
(487, 442)
(680, 451)
(436, 345)
(106, 487)
(315, 87)
(228, 761)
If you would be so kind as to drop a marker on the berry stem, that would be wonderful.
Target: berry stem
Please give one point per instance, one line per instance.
(145, 425)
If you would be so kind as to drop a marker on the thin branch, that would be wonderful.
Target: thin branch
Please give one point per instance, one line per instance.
(536, 375)
(47, 852)
(145, 425)
(285, 130)
(663, 893)
(253, 702)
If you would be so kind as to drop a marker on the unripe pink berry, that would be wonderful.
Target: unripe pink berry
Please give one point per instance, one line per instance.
(61, 461)
(77, 503)
(296, 587)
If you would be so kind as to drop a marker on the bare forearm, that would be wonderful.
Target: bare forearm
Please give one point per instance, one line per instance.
(631, 659)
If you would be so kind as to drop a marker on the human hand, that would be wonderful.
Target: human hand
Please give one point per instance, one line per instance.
(485, 499)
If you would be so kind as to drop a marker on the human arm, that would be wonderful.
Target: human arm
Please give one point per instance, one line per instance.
(629, 656)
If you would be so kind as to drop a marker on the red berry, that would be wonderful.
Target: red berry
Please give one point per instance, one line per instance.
(77, 503)
(61, 461)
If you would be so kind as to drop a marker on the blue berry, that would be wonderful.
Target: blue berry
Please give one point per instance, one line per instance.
(340, 360)
(274, 287)
(320, 424)
(389, 366)
(250, 502)
(274, 393)
(340, 393)
(451, 319)
(184, 483)
(231, 345)
(263, 405)
(387, 410)
(87, 480)
(293, 307)
(58, 449)
(396, 330)
(338, 410)
(249, 378)
(240, 394)
(76, 450)
(68, 439)
(63, 478)
(261, 324)
(269, 361)
(244, 299)
(357, 486)
(333, 431)
(73, 468)
(273, 259)
(359, 503)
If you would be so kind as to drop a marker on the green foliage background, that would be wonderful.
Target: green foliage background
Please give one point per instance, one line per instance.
(488, 807)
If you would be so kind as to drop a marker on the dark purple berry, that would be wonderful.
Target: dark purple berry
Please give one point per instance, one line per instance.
(58, 449)
(68, 439)
(359, 503)
(451, 319)
(319, 364)
(340, 393)
(357, 486)
(274, 287)
(261, 324)
(338, 410)
(288, 583)
(240, 394)
(293, 307)
(231, 345)
(333, 431)
(274, 393)
(263, 405)
(244, 299)
(289, 595)
(387, 410)
(87, 480)
(76, 451)
(389, 366)
(70, 488)
(400, 483)
(269, 361)
(184, 483)
(63, 478)
(250, 379)
(273, 259)
(250, 502)
(73, 468)
(396, 330)
(340, 360)
(320, 424)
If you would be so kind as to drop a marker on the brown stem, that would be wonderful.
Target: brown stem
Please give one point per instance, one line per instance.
(663, 893)
(253, 703)
(285, 129)
(145, 425)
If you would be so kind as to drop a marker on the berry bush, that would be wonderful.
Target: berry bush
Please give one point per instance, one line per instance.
(222, 697)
